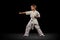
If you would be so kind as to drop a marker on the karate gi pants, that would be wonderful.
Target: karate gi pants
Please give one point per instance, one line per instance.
(31, 24)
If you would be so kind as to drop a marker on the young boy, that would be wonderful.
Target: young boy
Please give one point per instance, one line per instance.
(34, 14)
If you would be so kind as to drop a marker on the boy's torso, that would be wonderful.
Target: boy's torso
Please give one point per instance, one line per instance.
(33, 14)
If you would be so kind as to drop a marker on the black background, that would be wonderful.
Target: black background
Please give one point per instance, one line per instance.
(12, 22)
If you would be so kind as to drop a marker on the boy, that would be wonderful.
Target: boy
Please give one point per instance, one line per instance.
(34, 14)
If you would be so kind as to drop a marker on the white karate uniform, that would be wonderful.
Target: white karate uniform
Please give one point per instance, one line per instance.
(33, 22)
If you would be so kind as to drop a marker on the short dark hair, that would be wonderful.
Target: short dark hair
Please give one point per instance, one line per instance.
(33, 5)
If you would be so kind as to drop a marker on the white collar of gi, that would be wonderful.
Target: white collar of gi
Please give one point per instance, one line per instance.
(33, 11)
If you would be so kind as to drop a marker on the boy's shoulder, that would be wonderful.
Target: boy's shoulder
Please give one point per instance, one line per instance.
(37, 11)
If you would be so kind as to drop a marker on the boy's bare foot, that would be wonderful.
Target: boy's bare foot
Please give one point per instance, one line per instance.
(42, 35)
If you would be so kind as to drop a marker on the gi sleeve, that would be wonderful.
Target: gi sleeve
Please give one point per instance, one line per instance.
(27, 12)
(38, 14)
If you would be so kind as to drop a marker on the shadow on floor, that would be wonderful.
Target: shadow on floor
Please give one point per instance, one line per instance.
(32, 36)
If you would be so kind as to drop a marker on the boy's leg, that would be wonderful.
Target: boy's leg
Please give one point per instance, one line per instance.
(39, 30)
(27, 30)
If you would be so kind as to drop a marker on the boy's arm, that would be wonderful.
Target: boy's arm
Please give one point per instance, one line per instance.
(27, 12)
(38, 15)
(22, 12)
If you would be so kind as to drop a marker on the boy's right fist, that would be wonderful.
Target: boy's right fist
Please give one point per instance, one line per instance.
(20, 12)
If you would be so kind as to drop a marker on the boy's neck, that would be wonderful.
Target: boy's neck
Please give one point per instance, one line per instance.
(33, 10)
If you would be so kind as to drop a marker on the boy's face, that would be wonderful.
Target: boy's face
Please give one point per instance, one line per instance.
(33, 8)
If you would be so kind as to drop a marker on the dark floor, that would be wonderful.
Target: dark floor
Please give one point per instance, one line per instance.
(32, 36)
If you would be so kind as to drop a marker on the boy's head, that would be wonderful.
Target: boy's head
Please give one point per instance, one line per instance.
(33, 7)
